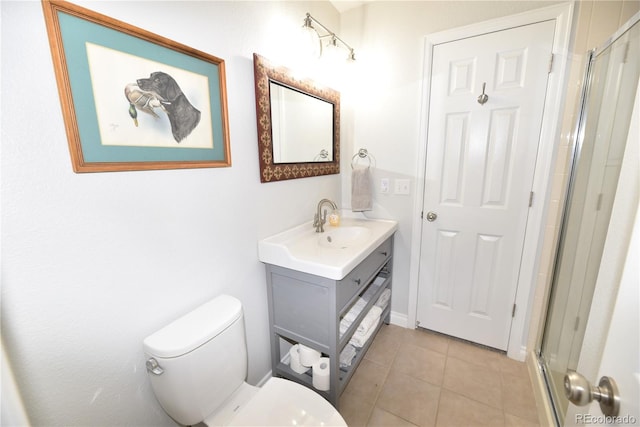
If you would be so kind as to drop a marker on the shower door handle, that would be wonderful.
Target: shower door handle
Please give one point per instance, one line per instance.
(580, 392)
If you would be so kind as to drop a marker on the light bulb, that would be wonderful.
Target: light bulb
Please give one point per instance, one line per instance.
(310, 40)
(332, 53)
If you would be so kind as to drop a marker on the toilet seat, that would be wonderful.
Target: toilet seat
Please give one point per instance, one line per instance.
(281, 402)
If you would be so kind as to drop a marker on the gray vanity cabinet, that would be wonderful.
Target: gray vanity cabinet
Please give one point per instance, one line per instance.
(307, 309)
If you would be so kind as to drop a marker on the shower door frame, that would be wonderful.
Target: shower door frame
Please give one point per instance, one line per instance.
(589, 366)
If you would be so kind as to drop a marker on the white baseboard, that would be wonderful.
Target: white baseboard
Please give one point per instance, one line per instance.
(399, 319)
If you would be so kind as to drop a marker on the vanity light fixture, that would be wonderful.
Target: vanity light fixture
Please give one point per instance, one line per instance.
(315, 40)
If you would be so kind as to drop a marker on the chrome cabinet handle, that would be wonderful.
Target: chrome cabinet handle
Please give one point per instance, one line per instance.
(580, 392)
(432, 216)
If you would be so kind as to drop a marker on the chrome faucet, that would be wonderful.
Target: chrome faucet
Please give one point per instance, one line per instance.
(319, 219)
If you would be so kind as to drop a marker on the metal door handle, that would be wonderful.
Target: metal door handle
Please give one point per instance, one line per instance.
(432, 216)
(580, 392)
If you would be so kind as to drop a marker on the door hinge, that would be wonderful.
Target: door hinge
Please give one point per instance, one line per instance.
(513, 311)
(531, 199)
(599, 202)
(551, 63)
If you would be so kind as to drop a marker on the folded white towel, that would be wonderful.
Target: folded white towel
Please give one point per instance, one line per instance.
(383, 301)
(369, 320)
(361, 190)
(344, 325)
(355, 310)
(351, 315)
(359, 340)
(347, 355)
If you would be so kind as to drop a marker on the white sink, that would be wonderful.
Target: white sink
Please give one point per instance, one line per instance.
(343, 237)
(333, 253)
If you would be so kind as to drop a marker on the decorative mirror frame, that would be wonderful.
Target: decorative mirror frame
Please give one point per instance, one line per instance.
(265, 72)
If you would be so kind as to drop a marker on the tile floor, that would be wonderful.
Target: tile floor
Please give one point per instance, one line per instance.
(420, 378)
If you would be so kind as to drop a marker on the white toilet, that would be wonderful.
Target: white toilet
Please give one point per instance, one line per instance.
(197, 366)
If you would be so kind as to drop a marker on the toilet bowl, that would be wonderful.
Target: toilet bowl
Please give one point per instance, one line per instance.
(197, 366)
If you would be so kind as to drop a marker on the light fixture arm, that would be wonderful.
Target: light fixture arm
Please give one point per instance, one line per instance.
(307, 23)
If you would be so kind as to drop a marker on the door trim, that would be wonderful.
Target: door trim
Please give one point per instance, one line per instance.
(547, 152)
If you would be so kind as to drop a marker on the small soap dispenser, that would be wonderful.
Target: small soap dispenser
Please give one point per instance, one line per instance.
(334, 218)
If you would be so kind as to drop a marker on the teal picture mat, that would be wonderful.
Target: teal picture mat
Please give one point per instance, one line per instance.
(75, 33)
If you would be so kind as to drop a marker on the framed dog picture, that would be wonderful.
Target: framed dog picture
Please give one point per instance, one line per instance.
(133, 100)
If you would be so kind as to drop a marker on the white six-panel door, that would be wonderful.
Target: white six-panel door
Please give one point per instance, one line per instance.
(479, 171)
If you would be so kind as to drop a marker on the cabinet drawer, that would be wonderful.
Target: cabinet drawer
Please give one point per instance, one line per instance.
(357, 280)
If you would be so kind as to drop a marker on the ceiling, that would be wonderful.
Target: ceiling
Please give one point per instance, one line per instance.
(344, 5)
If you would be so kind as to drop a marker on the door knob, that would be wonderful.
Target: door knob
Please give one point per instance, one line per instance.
(580, 392)
(432, 216)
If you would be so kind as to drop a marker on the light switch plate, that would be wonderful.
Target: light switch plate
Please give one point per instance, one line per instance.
(384, 185)
(402, 186)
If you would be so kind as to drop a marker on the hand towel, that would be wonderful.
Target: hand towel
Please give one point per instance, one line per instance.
(359, 340)
(383, 301)
(372, 316)
(347, 355)
(361, 191)
(355, 310)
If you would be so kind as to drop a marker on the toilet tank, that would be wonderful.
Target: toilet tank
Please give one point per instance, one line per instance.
(201, 360)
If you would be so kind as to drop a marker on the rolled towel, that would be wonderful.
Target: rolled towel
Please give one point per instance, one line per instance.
(344, 325)
(383, 301)
(358, 339)
(347, 355)
(354, 311)
(369, 320)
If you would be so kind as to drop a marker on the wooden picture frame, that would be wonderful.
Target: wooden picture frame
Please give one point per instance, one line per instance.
(133, 100)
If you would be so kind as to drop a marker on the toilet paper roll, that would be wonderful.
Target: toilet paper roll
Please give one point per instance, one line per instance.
(294, 360)
(308, 356)
(321, 373)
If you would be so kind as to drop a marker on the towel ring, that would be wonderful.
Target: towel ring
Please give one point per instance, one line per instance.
(362, 154)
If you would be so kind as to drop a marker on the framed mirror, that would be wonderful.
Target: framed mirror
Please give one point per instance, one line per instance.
(298, 124)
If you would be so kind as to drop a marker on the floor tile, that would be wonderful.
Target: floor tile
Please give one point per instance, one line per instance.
(518, 398)
(475, 354)
(382, 418)
(385, 346)
(470, 380)
(513, 421)
(421, 363)
(354, 410)
(410, 398)
(367, 381)
(456, 410)
(427, 339)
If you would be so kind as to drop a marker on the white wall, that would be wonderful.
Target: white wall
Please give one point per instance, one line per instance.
(93, 263)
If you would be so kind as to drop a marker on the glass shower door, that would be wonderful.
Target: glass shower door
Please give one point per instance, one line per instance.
(612, 78)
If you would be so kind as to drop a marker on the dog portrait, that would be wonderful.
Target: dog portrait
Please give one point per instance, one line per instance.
(183, 116)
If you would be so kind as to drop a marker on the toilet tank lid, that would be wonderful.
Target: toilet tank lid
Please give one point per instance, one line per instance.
(194, 328)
